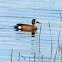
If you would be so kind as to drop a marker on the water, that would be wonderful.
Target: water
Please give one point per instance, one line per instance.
(23, 44)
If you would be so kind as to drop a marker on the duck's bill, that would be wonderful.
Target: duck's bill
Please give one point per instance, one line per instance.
(37, 22)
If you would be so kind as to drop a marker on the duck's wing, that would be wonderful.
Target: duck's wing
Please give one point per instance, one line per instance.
(23, 24)
(16, 26)
(19, 24)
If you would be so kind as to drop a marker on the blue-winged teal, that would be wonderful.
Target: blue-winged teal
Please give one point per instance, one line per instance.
(26, 27)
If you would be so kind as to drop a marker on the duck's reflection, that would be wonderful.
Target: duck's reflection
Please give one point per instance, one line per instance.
(32, 31)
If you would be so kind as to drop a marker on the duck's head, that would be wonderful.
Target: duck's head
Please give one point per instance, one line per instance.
(34, 21)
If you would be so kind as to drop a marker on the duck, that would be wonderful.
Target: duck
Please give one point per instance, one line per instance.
(27, 27)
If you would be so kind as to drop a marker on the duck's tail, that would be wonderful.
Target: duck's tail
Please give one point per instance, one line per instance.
(16, 26)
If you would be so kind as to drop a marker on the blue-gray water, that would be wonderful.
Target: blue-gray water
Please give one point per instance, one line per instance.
(23, 11)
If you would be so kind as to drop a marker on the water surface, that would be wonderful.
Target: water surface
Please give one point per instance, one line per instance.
(47, 43)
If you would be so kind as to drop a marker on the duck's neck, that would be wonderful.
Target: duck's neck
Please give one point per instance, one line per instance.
(33, 25)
